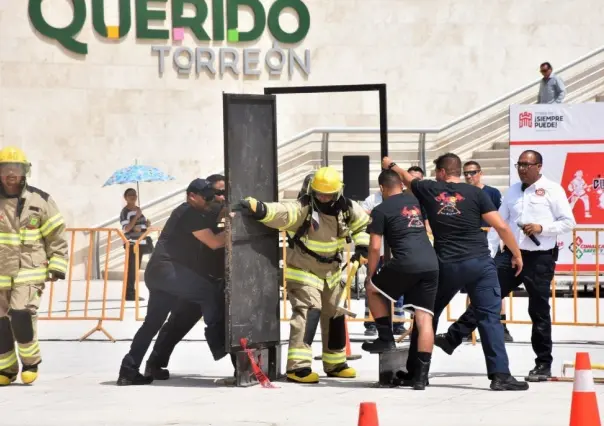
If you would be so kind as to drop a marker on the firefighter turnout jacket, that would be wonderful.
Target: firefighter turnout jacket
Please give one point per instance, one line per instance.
(326, 237)
(32, 241)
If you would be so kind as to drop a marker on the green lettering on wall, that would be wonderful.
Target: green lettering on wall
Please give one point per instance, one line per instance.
(144, 15)
(98, 17)
(233, 20)
(66, 35)
(194, 23)
(217, 20)
(303, 21)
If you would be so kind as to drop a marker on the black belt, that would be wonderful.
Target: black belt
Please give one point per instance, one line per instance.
(550, 251)
(530, 252)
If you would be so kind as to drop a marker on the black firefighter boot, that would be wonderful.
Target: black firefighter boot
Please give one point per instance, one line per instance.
(129, 374)
(154, 370)
(420, 378)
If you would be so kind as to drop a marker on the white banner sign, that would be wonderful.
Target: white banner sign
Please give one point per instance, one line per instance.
(571, 140)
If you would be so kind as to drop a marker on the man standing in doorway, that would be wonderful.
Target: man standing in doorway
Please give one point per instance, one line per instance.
(537, 211)
(369, 204)
(472, 172)
(551, 88)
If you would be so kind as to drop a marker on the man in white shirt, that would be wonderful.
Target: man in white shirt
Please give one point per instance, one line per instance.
(537, 211)
(369, 204)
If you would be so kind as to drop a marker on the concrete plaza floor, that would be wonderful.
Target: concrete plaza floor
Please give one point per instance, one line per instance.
(77, 381)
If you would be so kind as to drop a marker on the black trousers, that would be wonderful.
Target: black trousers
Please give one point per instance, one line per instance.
(479, 277)
(187, 285)
(537, 274)
(158, 308)
(182, 320)
(131, 281)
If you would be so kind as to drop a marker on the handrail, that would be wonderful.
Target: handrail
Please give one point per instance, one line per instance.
(308, 132)
(447, 126)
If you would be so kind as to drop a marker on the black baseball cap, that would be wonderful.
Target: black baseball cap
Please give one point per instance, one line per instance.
(200, 186)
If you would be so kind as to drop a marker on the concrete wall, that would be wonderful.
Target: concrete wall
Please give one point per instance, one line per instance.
(81, 117)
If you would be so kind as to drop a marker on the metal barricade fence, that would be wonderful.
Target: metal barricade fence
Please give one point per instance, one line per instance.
(285, 316)
(87, 309)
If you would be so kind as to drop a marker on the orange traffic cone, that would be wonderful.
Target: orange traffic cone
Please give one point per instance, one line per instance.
(368, 414)
(349, 355)
(584, 408)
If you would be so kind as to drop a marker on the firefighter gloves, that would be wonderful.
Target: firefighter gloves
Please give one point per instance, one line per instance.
(56, 275)
(359, 251)
(255, 207)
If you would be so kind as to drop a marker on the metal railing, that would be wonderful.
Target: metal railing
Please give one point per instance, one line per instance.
(480, 133)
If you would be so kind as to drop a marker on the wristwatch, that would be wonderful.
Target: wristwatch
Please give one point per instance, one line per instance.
(391, 165)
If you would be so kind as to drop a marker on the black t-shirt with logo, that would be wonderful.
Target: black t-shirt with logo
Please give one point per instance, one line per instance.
(177, 244)
(399, 219)
(455, 213)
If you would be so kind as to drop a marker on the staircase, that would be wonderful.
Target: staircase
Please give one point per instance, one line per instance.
(481, 135)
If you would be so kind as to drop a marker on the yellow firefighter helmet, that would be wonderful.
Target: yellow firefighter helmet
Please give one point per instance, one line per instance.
(326, 181)
(10, 154)
(13, 155)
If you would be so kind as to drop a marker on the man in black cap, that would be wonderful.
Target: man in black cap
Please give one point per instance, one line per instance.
(173, 275)
(187, 314)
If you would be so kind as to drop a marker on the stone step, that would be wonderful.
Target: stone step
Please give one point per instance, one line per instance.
(492, 153)
(501, 145)
(494, 162)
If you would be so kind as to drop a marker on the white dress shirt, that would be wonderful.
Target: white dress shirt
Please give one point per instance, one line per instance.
(369, 204)
(543, 203)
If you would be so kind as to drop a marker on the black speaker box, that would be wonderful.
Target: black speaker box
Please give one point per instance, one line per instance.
(356, 176)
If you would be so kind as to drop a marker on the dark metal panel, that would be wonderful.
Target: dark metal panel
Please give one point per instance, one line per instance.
(252, 249)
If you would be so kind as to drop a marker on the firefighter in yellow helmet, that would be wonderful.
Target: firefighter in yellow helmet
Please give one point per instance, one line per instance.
(318, 224)
(32, 246)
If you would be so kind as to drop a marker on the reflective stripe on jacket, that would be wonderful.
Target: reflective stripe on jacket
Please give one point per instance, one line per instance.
(323, 240)
(33, 242)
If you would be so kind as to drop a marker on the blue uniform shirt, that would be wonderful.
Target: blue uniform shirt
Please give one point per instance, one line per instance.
(495, 197)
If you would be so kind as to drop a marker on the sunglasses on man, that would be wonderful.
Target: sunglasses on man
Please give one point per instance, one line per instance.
(471, 173)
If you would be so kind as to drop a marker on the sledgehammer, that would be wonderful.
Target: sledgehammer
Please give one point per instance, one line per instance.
(340, 309)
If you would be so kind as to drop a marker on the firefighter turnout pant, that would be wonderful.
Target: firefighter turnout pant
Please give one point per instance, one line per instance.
(311, 306)
(18, 322)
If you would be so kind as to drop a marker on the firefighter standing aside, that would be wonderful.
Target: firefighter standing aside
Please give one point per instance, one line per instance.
(33, 246)
(319, 224)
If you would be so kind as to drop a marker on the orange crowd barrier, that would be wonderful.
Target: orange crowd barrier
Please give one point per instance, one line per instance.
(136, 251)
(578, 304)
(85, 307)
(109, 305)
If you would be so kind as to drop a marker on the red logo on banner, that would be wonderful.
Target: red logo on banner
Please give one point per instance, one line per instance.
(581, 181)
(525, 119)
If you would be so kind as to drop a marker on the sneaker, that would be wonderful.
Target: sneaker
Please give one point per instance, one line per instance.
(378, 346)
(507, 382)
(132, 298)
(134, 379)
(540, 373)
(399, 328)
(157, 373)
(441, 341)
(370, 330)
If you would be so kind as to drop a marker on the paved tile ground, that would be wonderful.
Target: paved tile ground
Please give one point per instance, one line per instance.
(77, 382)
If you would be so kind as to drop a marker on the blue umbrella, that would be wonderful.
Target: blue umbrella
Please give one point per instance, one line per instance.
(137, 173)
